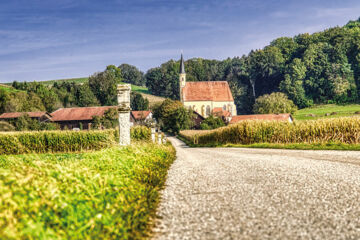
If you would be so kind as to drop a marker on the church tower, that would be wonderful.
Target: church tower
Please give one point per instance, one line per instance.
(182, 78)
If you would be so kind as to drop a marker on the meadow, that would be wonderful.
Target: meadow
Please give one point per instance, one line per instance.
(338, 133)
(106, 194)
(333, 111)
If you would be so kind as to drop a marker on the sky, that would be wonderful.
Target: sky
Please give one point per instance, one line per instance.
(56, 39)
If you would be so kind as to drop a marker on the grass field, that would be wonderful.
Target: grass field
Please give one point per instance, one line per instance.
(107, 194)
(319, 111)
(8, 89)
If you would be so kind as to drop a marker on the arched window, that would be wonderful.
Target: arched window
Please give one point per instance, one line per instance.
(224, 107)
(203, 110)
(208, 110)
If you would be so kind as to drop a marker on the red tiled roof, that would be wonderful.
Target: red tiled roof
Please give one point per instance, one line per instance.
(80, 113)
(221, 112)
(269, 117)
(207, 91)
(139, 115)
(18, 114)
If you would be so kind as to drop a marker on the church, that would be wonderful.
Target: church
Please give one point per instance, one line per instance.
(206, 98)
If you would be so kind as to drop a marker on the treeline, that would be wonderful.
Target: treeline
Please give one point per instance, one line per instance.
(310, 69)
(100, 90)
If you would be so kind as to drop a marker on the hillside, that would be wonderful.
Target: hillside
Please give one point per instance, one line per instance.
(327, 111)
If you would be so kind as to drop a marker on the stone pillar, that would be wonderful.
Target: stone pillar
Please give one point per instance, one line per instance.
(153, 135)
(123, 95)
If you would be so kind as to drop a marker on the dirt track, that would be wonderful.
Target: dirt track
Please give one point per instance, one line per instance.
(229, 193)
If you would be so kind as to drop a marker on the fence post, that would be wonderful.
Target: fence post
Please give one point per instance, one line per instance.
(153, 135)
(123, 96)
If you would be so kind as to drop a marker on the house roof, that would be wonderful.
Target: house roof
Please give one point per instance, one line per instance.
(79, 113)
(140, 115)
(18, 114)
(207, 91)
(221, 112)
(269, 117)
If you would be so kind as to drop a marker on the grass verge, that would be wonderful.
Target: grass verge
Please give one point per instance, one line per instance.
(107, 194)
(294, 146)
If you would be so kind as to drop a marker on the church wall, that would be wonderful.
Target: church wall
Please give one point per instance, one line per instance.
(202, 106)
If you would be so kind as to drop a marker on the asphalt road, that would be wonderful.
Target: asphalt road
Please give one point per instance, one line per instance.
(232, 193)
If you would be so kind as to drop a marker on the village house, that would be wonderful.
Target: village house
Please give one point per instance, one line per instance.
(40, 116)
(205, 97)
(73, 118)
(285, 117)
(140, 117)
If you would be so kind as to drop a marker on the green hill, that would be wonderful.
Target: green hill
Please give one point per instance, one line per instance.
(327, 111)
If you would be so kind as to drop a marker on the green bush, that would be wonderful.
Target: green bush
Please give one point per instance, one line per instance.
(212, 123)
(108, 194)
(274, 103)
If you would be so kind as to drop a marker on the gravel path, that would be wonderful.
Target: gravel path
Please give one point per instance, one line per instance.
(218, 193)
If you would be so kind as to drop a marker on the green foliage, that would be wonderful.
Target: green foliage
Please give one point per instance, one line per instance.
(138, 102)
(6, 127)
(132, 74)
(109, 120)
(55, 141)
(25, 123)
(323, 131)
(212, 123)
(108, 194)
(172, 116)
(141, 133)
(274, 103)
(104, 85)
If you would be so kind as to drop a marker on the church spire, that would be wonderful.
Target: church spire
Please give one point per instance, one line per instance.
(182, 65)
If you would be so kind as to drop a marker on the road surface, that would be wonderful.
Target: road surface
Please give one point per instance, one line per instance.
(232, 193)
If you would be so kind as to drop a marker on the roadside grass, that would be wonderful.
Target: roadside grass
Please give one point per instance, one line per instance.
(293, 146)
(320, 110)
(107, 194)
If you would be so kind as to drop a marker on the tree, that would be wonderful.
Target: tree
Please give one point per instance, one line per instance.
(104, 85)
(138, 102)
(212, 123)
(85, 97)
(132, 74)
(274, 103)
(173, 116)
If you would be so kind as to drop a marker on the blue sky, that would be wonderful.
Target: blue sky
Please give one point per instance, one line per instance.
(54, 39)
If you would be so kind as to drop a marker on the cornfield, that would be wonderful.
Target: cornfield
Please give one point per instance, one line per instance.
(341, 130)
(64, 141)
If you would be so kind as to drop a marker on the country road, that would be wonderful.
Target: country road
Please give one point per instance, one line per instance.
(232, 193)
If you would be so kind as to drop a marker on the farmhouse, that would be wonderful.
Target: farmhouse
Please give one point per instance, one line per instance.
(204, 97)
(285, 117)
(139, 117)
(71, 118)
(40, 116)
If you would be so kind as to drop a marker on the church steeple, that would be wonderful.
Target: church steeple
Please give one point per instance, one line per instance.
(182, 65)
(182, 77)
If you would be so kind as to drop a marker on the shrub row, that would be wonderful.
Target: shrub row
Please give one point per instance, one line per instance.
(64, 141)
(339, 130)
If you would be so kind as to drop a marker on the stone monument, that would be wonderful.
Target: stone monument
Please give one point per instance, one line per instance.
(123, 95)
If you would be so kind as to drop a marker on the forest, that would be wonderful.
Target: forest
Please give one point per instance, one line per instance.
(317, 68)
